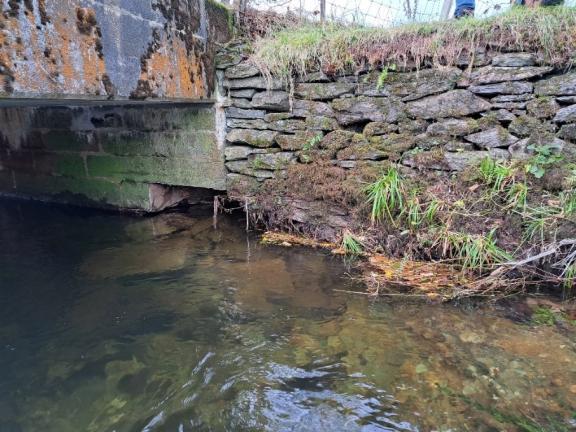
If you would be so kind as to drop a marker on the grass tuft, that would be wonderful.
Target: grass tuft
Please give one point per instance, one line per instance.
(350, 245)
(475, 252)
(495, 174)
(332, 48)
(386, 196)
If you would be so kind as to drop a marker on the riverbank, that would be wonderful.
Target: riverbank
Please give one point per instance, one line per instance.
(449, 143)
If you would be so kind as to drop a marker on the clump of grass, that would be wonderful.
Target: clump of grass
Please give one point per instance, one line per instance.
(569, 277)
(351, 245)
(517, 195)
(416, 214)
(568, 203)
(536, 222)
(334, 48)
(495, 174)
(386, 196)
(475, 252)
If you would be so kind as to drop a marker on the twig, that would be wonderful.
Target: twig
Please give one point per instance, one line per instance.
(551, 250)
(380, 294)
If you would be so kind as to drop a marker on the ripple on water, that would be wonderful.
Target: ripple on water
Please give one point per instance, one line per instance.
(165, 324)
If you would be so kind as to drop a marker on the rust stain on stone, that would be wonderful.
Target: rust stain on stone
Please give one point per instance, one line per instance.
(58, 48)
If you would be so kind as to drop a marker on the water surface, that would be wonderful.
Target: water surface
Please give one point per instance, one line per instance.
(118, 323)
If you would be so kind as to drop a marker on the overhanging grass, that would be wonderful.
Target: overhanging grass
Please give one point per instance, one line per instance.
(550, 32)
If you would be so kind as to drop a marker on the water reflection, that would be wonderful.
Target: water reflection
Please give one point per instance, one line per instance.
(114, 323)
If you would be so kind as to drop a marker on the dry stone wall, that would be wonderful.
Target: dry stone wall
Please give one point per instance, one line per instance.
(437, 119)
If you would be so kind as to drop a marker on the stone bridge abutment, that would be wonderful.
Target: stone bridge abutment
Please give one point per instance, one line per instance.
(110, 103)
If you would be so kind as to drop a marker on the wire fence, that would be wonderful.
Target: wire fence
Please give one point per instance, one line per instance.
(374, 13)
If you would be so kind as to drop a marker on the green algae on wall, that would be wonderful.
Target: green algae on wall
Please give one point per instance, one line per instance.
(106, 156)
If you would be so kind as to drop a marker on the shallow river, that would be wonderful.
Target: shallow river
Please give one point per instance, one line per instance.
(118, 323)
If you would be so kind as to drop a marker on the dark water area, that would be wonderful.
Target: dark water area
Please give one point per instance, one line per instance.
(118, 323)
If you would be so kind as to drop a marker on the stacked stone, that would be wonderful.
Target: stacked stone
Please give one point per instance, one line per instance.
(440, 119)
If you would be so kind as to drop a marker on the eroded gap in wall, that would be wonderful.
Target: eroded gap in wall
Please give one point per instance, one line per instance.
(163, 197)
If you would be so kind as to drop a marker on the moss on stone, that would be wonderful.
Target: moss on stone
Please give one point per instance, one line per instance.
(227, 11)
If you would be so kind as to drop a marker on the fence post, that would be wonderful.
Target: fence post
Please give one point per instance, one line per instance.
(444, 15)
(322, 11)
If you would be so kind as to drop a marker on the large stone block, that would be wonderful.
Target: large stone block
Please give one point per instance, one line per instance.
(523, 149)
(175, 172)
(306, 108)
(320, 123)
(240, 113)
(560, 85)
(566, 115)
(455, 103)
(62, 140)
(256, 82)
(272, 161)
(88, 192)
(514, 60)
(491, 138)
(364, 108)
(506, 88)
(241, 70)
(524, 126)
(244, 93)
(494, 74)
(255, 138)
(287, 125)
(169, 144)
(241, 186)
(412, 85)
(453, 127)
(298, 140)
(568, 132)
(543, 107)
(272, 101)
(246, 167)
(237, 152)
(378, 147)
(323, 91)
(379, 128)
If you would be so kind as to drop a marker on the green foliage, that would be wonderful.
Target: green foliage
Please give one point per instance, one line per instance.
(546, 316)
(309, 145)
(350, 245)
(386, 196)
(495, 174)
(384, 75)
(412, 211)
(570, 276)
(258, 163)
(416, 213)
(543, 156)
(536, 221)
(476, 252)
(543, 316)
(517, 195)
(431, 211)
(568, 203)
(571, 178)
